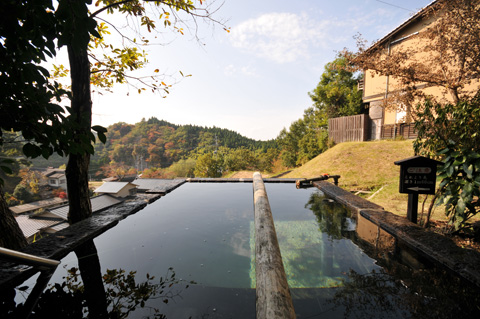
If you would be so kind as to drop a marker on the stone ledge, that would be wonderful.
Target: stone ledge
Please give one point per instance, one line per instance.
(352, 202)
(433, 247)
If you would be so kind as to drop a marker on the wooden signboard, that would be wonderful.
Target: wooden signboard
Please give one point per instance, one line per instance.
(418, 175)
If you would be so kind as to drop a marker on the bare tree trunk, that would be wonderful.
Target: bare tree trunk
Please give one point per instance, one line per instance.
(81, 113)
(11, 235)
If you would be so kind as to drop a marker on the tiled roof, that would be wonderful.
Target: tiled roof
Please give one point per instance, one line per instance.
(51, 171)
(36, 205)
(112, 187)
(148, 183)
(98, 203)
(59, 226)
(30, 226)
(56, 175)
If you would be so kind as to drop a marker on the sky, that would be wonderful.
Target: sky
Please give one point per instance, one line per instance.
(256, 78)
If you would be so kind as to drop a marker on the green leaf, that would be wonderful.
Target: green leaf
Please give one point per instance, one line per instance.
(99, 129)
(102, 137)
(6, 169)
(468, 170)
(460, 206)
(31, 150)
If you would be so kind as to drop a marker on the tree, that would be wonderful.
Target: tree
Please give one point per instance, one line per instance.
(28, 34)
(451, 133)
(183, 168)
(28, 102)
(208, 165)
(336, 94)
(239, 159)
(306, 138)
(443, 54)
(265, 160)
(79, 32)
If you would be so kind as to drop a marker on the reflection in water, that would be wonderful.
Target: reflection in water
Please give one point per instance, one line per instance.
(332, 218)
(371, 295)
(311, 236)
(400, 292)
(91, 274)
(403, 287)
(240, 244)
(84, 292)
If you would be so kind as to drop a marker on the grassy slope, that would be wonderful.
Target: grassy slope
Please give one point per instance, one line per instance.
(364, 166)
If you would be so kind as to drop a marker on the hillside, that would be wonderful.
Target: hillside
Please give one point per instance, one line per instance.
(161, 143)
(364, 166)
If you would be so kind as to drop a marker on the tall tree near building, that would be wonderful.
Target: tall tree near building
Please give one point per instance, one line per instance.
(443, 54)
(336, 94)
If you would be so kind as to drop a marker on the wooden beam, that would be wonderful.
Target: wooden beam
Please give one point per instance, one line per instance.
(273, 295)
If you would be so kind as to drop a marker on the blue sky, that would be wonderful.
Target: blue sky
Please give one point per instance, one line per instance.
(254, 80)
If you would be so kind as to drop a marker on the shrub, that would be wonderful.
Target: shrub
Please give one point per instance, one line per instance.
(451, 133)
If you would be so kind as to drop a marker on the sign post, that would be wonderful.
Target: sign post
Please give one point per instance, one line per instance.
(418, 175)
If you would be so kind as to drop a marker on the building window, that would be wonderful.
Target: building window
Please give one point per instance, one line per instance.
(62, 181)
(53, 181)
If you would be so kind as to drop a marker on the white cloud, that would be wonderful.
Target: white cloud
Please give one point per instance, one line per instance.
(289, 37)
(232, 70)
(281, 37)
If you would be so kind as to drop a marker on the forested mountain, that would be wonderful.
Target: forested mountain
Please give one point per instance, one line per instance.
(157, 143)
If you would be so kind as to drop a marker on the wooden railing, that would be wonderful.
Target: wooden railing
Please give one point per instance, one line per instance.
(407, 130)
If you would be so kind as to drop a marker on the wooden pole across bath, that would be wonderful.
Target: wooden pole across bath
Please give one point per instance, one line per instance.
(273, 295)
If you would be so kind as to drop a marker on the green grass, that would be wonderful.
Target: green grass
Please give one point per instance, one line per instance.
(365, 166)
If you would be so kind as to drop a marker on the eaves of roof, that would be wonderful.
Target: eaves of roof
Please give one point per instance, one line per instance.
(412, 19)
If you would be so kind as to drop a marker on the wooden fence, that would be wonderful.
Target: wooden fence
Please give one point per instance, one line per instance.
(349, 128)
(407, 130)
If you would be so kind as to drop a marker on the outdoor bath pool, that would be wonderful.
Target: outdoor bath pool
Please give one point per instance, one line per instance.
(201, 238)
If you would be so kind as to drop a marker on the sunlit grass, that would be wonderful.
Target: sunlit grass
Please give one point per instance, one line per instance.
(366, 167)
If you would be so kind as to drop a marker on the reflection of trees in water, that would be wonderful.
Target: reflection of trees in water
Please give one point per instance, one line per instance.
(372, 295)
(84, 292)
(412, 294)
(331, 216)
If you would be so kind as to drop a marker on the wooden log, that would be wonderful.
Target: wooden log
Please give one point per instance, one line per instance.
(273, 295)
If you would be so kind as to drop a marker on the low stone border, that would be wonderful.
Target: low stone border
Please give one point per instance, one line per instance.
(435, 248)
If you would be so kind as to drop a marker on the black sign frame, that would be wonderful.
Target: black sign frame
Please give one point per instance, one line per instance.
(418, 175)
